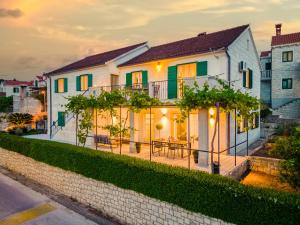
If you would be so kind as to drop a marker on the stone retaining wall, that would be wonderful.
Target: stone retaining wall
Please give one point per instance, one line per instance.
(124, 205)
(265, 165)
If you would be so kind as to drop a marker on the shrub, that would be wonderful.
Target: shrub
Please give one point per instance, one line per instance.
(6, 103)
(19, 119)
(211, 195)
(289, 150)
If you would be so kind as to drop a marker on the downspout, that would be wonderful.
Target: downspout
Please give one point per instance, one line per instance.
(228, 114)
(50, 107)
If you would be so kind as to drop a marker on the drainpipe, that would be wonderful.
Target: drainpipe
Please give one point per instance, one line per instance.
(229, 114)
(50, 107)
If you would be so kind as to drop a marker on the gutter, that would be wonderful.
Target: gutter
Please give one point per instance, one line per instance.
(50, 107)
(228, 114)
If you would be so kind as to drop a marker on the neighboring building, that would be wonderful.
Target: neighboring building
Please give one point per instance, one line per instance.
(281, 74)
(15, 88)
(266, 77)
(162, 71)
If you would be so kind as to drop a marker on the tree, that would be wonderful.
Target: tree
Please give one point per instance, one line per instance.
(6, 103)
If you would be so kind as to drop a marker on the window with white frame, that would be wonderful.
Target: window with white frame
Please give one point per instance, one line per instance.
(187, 70)
(61, 85)
(137, 79)
(287, 56)
(84, 82)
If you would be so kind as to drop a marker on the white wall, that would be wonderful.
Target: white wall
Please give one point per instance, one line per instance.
(239, 52)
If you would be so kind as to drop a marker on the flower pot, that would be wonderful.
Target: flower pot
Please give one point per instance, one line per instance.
(195, 156)
(138, 147)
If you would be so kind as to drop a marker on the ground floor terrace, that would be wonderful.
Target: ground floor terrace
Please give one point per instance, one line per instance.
(200, 141)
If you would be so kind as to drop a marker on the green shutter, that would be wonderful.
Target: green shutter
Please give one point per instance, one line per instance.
(128, 79)
(56, 86)
(90, 80)
(78, 83)
(172, 82)
(145, 78)
(61, 119)
(244, 78)
(202, 68)
(65, 84)
(250, 78)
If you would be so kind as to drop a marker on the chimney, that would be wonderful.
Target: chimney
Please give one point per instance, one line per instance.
(201, 34)
(278, 29)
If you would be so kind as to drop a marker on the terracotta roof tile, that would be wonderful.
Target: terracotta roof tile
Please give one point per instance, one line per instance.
(200, 44)
(265, 53)
(94, 60)
(286, 39)
(18, 83)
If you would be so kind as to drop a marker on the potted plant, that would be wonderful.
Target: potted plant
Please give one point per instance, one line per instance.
(138, 147)
(159, 127)
(195, 155)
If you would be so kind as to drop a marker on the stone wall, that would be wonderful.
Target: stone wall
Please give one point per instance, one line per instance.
(124, 205)
(265, 165)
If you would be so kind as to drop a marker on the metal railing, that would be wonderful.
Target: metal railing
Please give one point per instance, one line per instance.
(266, 74)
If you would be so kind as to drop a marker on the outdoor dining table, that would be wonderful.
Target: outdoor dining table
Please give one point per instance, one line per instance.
(181, 144)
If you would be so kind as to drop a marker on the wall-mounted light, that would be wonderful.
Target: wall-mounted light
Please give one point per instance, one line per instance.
(158, 67)
(164, 111)
(211, 116)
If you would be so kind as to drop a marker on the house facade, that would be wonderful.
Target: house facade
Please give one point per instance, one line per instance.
(15, 88)
(283, 82)
(162, 71)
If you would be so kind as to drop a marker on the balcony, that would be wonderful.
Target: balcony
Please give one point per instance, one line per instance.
(266, 75)
(163, 90)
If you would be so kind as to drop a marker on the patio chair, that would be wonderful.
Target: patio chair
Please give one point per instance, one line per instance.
(173, 147)
(158, 145)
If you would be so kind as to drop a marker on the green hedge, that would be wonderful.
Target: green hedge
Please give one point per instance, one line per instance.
(212, 195)
(6, 103)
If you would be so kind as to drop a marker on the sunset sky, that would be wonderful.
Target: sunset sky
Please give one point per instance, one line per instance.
(38, 35)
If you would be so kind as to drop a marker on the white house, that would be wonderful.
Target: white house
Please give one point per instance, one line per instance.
(280, 75)
(162, 71)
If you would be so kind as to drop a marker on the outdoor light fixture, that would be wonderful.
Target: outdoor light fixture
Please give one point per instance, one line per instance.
(211, 116)
(164, 111)
(158, 67)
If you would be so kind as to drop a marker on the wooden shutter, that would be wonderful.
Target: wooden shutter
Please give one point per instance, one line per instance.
(250, 78)
(244, 78)
(145, 79)
(172, 82)
(128, 79)
(56, 86)
(202, 68)
(78, 83)
(65, 84)
(61, 119)
(90, 80)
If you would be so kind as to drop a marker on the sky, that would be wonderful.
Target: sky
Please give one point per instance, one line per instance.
(38, 36)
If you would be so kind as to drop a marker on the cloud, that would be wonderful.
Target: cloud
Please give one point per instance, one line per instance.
(14, 13)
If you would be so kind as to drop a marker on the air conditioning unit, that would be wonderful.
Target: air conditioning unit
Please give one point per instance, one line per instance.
(242, 66)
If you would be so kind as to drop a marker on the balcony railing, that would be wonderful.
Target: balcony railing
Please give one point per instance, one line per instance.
(266, 75)
(160, 89)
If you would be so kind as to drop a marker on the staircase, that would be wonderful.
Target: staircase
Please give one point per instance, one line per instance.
(290, 110)
(68, 116)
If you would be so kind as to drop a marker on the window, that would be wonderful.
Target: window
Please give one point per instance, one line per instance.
(287, 83)
(268, 66)
(255, 121)
(61, 85)
(241, 124)
(16, 90)
(187, 70)
(137, 79)
(248, 78)
(84, 82)
(287, 56)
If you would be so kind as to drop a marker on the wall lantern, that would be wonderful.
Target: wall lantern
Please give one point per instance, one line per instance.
(164, 111)
(211, 116)
(158, 67)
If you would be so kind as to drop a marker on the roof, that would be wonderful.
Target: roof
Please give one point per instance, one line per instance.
(265, 54)
(286, 39)
(17, 83)
(95, 60)
(200, 44)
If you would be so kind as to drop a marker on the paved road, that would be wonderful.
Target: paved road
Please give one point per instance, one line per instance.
(21, 205)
